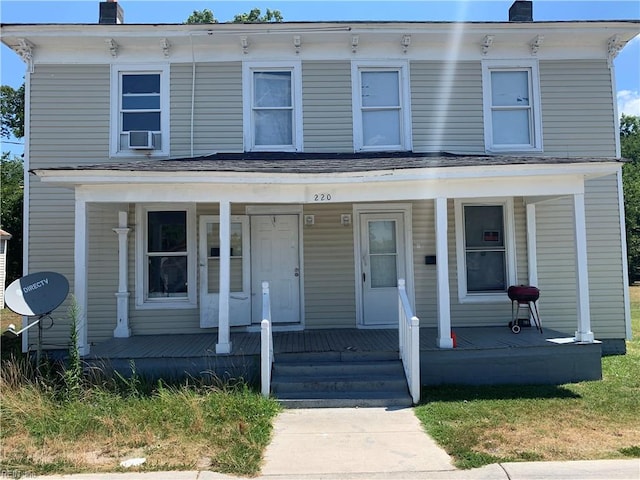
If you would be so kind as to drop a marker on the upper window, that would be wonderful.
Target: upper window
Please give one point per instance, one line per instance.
(140, 111)
(512, 117)
(272, 107)
(381, 114)
(485, 246)
(166, 268)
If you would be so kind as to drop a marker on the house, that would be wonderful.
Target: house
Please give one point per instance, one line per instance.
(4, 240)
(174, 168)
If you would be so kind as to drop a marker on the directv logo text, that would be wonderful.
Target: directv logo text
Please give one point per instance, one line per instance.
(35, 286)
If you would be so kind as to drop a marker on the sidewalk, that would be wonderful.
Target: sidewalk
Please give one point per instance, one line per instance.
(375, 444)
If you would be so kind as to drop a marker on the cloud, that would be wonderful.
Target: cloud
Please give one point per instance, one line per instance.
(629, 102)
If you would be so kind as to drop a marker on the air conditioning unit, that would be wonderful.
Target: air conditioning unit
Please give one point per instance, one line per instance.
(141, 140)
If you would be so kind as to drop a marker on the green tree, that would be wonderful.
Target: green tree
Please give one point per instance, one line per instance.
(201, 16)
(630, 143)
(12, 111)
(254, 16)
(11, 201)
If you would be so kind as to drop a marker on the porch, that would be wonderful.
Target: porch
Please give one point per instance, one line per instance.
(483, 355)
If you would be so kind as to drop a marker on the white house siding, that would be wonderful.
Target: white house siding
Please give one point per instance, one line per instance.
(217, 108)
(329, 268)
(69, 124)
(556, 261)
(447, 107)
(326, 100)
(577, 108)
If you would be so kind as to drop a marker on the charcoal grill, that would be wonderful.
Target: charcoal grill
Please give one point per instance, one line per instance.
(521, 295)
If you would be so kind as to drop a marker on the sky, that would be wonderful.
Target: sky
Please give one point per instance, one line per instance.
(627, 64)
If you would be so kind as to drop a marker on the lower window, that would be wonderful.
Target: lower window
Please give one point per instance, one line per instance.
(485, 238)
(165, 252)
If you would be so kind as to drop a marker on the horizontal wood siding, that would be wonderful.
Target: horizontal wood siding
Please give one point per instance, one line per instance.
(556, 261)
(425, 277)
(577, 108)
(446, 106)
(326, 100)
(329, 268)
(217, 108)
(69, 115)
(51, 233)
(102, 270)
(556, 264)
(604, 246)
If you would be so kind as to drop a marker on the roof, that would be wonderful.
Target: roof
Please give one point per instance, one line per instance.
(5, 235)
(324, 163)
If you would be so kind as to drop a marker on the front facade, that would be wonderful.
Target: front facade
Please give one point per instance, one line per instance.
(177, 167)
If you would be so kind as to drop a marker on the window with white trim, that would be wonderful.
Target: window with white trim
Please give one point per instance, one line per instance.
(140, 111)
(381, 117)
(512, 119)
(272, 106)
(166, 257)
(485, 249)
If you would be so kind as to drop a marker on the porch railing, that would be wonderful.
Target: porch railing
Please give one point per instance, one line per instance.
(409, 340)
(266, 342)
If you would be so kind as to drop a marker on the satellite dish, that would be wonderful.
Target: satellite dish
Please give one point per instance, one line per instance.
(37, 294)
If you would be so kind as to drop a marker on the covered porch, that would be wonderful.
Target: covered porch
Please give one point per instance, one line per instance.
(482, 355)
(302, 182)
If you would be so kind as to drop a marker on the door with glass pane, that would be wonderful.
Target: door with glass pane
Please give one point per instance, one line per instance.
(209, 259)
(382, 264)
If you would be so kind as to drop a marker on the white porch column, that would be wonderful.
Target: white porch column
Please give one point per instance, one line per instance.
(532, 248)
(444, 339)
(584, 333)
(80, 273)
(224, 343)
(122, 329)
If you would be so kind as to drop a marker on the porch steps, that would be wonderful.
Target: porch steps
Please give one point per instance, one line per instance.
(350, 380)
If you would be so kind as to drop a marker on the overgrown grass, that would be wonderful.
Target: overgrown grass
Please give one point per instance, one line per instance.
(57, 418)
(219, 427)
(588, 420)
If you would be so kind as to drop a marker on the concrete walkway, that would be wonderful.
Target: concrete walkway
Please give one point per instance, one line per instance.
(351, 440)
(374, 444)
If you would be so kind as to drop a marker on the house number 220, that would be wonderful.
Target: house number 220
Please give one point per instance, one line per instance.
(322, 197)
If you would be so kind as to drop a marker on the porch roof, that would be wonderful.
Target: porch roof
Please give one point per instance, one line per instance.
(324, 163)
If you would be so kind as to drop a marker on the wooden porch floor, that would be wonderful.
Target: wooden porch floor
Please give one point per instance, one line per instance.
(316, 341)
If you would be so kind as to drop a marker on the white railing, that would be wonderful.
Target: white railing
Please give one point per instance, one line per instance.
(266, 342)
(409, 340)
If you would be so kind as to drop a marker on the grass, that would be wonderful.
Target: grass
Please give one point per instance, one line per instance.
(588, 420)
(45, 430)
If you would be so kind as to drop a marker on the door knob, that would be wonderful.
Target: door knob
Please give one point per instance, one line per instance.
(296, 272)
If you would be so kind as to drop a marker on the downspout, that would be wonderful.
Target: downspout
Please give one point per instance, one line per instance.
(193, 93)
(26, 190)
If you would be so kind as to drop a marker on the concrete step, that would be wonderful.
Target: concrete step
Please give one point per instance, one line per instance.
(338, 368)
(343, 383)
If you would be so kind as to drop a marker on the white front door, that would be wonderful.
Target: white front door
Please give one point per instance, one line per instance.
(382, 256)
(276, 259)
(209, 260)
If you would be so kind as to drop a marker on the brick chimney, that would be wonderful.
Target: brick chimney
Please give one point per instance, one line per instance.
(110, 13)
(521, 11)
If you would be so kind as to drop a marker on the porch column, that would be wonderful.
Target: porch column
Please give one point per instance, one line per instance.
(80, 273)
(122, 329)
(532, 248)
(444, 339)
(224, 343)
(584, 333)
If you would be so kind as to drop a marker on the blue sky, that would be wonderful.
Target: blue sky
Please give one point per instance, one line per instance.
(627, 63)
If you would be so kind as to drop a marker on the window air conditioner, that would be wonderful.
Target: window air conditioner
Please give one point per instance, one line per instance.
(141, 140)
